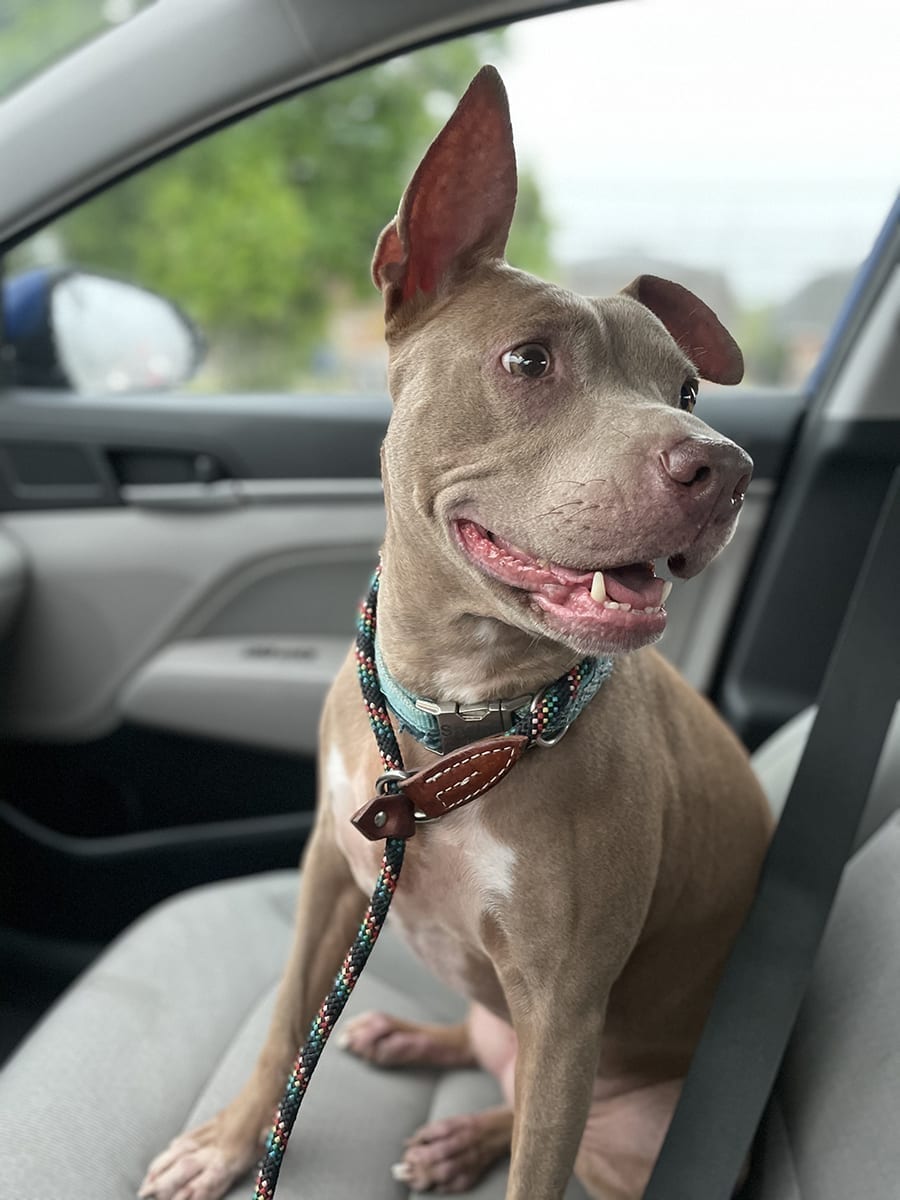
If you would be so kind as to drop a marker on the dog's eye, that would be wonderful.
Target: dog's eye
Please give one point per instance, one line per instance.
(531, 360)
(688, 397)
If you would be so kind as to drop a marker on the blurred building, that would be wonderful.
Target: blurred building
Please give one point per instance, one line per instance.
(804, 321)
(609, 274)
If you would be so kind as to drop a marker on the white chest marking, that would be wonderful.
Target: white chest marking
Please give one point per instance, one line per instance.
(338, 782)
(488, 863)
(466, 872)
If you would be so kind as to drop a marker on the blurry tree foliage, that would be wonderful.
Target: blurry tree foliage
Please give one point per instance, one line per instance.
(765, 347)
(262, 229)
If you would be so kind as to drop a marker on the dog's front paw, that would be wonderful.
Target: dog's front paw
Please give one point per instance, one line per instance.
(200, 1165)
(452, 1154)
(390, 1042)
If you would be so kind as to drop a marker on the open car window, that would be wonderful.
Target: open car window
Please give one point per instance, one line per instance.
(761, 190)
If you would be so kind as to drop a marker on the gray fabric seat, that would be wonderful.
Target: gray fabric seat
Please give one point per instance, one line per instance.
(163, 1029)
(830, 1131)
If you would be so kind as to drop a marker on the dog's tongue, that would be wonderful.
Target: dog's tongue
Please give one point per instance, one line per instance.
(634, 585)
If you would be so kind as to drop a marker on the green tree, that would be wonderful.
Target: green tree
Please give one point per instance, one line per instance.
(261, 229)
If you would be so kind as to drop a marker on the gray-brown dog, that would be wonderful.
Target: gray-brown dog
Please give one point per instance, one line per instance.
(542, 453)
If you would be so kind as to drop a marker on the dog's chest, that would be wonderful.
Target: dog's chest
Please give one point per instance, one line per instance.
(455, 874)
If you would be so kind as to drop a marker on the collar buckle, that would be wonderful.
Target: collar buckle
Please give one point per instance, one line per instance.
(455, 721)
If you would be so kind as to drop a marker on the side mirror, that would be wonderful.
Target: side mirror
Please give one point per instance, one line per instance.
(75, 329)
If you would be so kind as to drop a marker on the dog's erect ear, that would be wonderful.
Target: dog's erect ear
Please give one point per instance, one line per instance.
(693, 325)
(459, 206)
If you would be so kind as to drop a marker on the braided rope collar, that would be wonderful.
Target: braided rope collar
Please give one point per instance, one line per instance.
(547, 713)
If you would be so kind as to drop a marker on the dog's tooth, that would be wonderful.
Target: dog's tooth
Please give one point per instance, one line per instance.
(598, 587)
(610, 604)
(650, 609)
(667, 589)
(402, 1171)
(625, 607)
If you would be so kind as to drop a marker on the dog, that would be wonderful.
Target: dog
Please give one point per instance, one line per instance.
(543, 453)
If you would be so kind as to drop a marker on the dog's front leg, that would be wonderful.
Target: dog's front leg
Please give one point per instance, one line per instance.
(558, 1031)
(203, 1163)
(557, 962)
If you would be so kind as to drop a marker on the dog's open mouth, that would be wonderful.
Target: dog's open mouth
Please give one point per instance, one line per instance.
(616, 600)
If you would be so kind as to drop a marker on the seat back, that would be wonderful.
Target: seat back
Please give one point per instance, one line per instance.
(830, 1129)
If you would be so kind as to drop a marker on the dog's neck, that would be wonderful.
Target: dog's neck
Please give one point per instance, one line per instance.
(437, 647)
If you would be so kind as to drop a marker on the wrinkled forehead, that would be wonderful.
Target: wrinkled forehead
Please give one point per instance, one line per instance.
(502, 307)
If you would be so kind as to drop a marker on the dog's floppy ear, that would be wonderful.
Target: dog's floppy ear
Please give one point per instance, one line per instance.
(459, 206)
(693, 325)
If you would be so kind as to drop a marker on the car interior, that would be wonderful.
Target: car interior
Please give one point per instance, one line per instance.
(192, 401)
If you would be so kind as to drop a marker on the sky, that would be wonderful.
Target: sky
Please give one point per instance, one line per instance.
(761, 137)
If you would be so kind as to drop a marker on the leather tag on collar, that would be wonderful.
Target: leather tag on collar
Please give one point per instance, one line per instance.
(463, 775)
(453, 780)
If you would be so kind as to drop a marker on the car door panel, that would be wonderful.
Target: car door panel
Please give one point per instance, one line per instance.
(262, 691)
(12, 582)
(86, 889)
(61, 450)
(111, 587)
(159, 703)
(166, 560)
(101, 811)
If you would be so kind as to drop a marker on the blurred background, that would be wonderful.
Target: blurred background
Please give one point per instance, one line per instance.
(263, 233)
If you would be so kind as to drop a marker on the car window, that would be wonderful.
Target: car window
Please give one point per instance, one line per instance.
(730, 147)
(34, 33)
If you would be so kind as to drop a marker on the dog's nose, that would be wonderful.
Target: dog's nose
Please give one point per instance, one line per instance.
(707, 468)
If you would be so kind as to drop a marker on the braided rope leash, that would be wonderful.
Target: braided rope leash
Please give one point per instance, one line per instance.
(367, 935)
(544, 714)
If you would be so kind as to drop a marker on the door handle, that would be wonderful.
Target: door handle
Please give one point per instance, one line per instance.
(229, 493)
(181, 496)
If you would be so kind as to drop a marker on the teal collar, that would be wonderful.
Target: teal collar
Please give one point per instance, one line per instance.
(445, 727)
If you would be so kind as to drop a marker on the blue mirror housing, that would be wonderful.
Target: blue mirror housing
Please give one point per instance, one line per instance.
(64, 328)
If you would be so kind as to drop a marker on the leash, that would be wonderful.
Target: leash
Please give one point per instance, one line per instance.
(367, 935)
(542, 723)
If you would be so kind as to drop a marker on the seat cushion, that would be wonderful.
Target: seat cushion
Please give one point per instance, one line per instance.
(829, 1130)
(165, 1027)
